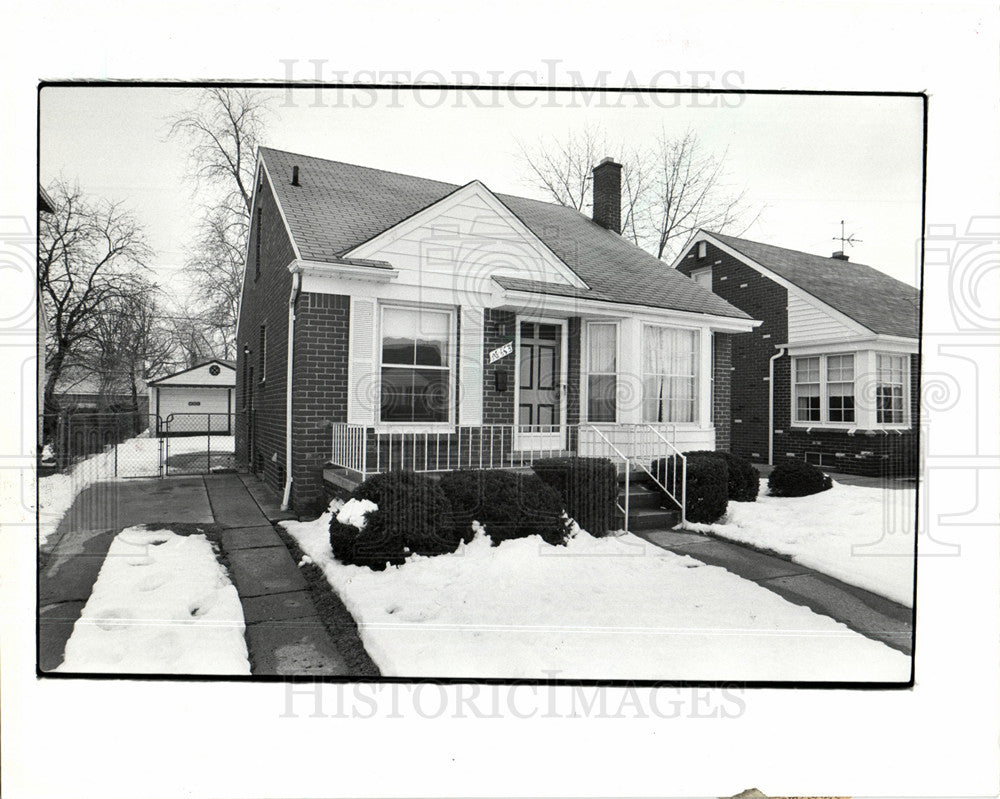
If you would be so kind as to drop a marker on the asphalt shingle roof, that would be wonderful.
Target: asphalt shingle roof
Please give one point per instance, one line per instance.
(338, 206)
(879, 302)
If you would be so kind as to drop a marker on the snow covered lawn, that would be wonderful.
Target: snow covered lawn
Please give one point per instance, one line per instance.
(597, 608)
(162, 604)
(861, 535)
(137, 457)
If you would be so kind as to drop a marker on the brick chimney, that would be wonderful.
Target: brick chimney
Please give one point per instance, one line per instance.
(608, 195)
(840, 256)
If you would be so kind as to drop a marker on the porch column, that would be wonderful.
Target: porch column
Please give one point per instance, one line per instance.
(630, 371)
(705, 378)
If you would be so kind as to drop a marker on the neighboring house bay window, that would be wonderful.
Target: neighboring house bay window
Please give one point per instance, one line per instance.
(416, 365)
(890, 389)
(825, 389)
(669, 380)
(602, 372)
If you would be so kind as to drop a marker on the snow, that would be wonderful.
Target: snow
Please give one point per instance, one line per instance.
(162, 604)
(136, 457)
(599, 608)
(355, 512)
(861, 535)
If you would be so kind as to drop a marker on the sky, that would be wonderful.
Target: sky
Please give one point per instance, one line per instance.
(807, 161)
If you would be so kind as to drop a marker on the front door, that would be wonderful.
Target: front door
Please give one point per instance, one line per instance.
(540, 386)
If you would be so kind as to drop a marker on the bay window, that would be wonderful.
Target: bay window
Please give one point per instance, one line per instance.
(825, 389)
(416, 355)
(602, 372)
(670, 372)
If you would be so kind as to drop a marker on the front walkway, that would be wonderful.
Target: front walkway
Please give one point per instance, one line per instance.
(864, 612)
(285, 635)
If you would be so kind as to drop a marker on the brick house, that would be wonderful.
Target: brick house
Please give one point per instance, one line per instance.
(832, 375)
(393, 321)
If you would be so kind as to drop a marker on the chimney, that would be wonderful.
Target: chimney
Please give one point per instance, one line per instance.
(608, 195)
(295, 176)
(839, 255)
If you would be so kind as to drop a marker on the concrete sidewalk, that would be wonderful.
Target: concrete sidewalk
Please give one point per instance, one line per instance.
(284, 632)
(869, 614)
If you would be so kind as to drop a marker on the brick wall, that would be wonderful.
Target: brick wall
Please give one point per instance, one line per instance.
(498, 407)
(721, 388)
(573, 371)
(762, 299)
(319, 391)
(264, 302)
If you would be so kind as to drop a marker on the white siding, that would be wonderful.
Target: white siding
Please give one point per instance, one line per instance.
(462, 245)
(362, 379)
(202, 376)
(809, 322)
(470, 380)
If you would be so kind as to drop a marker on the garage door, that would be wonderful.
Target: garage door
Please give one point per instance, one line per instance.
(195, 410)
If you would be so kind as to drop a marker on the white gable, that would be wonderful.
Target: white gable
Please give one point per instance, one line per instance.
(809, 320)
(461, 242)
(201, 376)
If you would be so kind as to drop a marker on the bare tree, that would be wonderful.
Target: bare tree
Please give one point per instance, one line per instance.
(223, 130)
(91, 255)
(670, 188)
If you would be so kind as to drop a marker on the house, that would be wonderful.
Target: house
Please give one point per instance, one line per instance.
(394, 321)
(832, 375)
(81, 390)
(196, 400)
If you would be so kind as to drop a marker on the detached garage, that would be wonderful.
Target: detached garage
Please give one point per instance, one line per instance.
(196, 400)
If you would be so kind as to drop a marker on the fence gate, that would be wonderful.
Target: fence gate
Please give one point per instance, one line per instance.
(108, 445)
(198, 443)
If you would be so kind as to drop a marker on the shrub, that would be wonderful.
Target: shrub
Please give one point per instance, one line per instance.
(413, 515)
(509, 504)
(707, 485)
(797, 479)
(744, 479)
(588, 486)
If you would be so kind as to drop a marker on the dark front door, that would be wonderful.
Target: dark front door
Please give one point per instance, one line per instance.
(540, 394)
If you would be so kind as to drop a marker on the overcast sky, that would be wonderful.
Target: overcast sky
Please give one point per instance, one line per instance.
(810, 161)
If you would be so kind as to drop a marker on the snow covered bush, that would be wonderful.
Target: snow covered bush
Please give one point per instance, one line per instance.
(797, 479)
(588, 486)
(508, 504)
(744, 479)
(707, 485)
(391, 516)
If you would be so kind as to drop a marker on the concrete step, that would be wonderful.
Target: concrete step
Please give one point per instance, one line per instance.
(649, 519)
(640, 497)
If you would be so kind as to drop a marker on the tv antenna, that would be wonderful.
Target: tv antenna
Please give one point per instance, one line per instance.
(845, 240)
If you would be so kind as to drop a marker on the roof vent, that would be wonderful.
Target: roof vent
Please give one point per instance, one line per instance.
(295, 176)
(840, 256)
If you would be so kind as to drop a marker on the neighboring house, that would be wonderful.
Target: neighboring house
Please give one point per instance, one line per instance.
(392, 321)
(195, 400)
(81, 390)
(843, 342)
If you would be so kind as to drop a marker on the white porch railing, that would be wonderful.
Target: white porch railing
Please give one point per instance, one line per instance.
(364, 451)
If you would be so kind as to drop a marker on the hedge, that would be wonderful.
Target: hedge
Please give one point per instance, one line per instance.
(797, 479)
(508, 504)
(588, 486)
(744, 479)
(413, 516)
(707, 485)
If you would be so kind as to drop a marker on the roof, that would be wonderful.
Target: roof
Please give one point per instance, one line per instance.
(339, 206)
(220, 361)
(874, 299)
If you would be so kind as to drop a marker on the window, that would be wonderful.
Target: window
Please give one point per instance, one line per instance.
(262, 352)
(416, 365)
(807, 393)
(840, 388)
(602, 378)
(246, 376)
(890, 389)
(703, 277)
(702, 249)
(669, 364)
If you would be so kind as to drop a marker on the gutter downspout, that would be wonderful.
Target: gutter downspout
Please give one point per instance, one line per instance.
(770, 405)
(292, 297)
